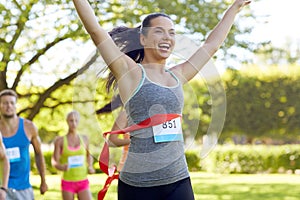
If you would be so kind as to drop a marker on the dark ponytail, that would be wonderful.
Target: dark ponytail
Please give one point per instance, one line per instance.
(111, 106)
(128, 41)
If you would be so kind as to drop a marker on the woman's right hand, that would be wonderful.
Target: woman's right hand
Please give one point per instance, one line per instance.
(64, 167)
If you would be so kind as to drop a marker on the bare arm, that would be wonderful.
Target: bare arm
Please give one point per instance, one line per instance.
(215, 39)
(108, 50)
(58, 146)
(38, 154)
(6, 168)
(89, 20)
(124, 69)
(120, 123)
(89, 157)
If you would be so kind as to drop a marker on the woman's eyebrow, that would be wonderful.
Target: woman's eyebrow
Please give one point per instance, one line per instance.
(162, 28)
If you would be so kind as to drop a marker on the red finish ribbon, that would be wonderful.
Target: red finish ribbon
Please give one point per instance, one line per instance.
(104, 156)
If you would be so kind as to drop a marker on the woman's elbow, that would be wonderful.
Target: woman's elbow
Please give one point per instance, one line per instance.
(211, 48)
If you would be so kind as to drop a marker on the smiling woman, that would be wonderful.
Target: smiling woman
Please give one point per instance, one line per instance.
(136, 57)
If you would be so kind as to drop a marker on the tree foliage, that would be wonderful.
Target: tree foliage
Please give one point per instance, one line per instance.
(263, 102)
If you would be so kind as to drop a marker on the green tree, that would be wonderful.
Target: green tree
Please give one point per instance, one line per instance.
(263, 103)
(289, 53)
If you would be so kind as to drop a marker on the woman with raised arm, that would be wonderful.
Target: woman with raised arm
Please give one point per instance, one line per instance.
(155, 167)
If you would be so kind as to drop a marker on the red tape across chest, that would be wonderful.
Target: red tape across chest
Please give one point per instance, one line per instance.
(104, 155)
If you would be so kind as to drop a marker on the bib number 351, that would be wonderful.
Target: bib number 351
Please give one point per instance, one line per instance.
(168, 131)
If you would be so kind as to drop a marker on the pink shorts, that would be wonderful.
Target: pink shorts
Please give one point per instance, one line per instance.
(74, 186)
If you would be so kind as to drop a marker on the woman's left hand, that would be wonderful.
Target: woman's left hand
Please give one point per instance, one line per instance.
(241, 3)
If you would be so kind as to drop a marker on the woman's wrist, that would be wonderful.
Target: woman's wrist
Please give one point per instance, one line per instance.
(234, 9)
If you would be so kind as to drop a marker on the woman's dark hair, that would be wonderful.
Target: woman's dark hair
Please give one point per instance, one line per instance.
(128, 40)
(147, 21)
(111, 106)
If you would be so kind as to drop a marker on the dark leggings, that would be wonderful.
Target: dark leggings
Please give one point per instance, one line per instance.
(180, 190)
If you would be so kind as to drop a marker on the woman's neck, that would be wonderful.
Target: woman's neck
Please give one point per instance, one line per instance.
(72, 132)
(154, 67)
(154, 60)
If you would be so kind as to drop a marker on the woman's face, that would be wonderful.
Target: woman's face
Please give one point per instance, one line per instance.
(160, 38)
(72, 121)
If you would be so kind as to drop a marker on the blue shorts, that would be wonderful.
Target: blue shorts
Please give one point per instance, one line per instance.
(180, 190)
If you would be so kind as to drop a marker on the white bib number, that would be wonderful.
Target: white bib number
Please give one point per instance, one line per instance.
(13, 154)
(168, 131)
(75, 161)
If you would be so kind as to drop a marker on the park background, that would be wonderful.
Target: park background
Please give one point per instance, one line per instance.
(49, 59)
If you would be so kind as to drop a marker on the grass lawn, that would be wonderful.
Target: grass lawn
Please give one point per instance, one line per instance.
(206, 186)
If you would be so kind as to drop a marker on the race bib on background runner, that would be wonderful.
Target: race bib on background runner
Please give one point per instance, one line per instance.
(75, 161)
(168, 131)
(13, 154)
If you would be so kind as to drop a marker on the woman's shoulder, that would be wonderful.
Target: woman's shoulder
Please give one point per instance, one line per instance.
(59, 140)
(84, 138)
